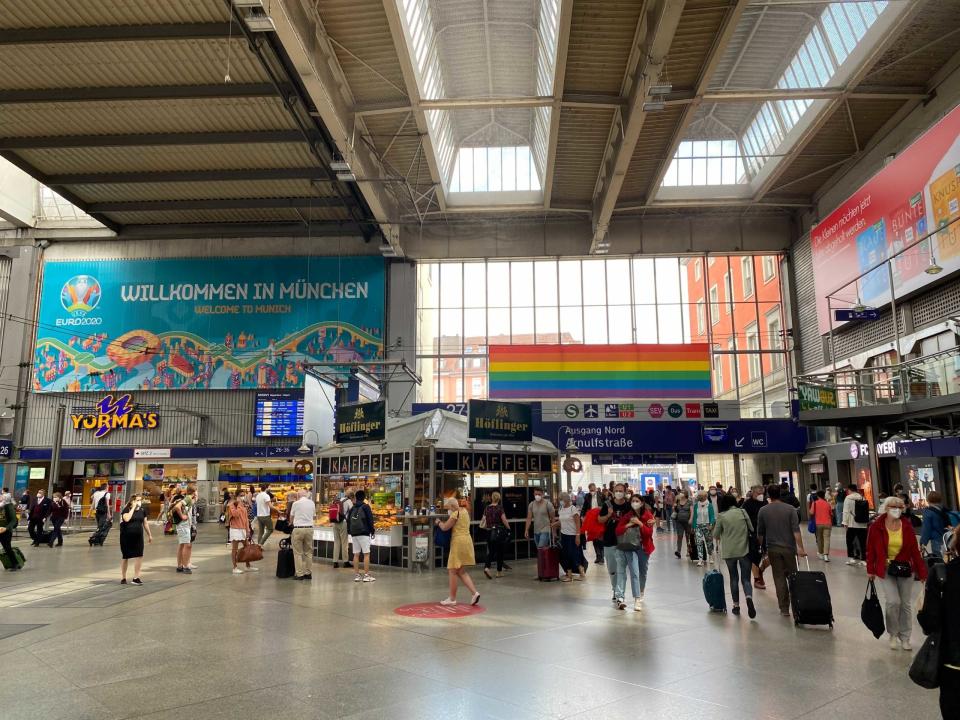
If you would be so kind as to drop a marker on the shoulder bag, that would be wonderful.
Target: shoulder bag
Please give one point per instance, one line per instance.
(251, 552)
(925, 668)
(630, 540)
(871, 613)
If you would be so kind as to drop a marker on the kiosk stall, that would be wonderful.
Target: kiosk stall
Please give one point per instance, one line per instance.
(424, 459)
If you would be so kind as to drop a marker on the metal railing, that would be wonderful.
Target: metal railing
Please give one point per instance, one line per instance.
(922, 378)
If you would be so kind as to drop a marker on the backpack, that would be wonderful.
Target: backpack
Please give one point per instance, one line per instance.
(102, 504)
(357, 526)
(861, 511)
(683, 514)
(335, 513)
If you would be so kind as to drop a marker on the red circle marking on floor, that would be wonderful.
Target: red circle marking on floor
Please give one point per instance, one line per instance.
(436, 611)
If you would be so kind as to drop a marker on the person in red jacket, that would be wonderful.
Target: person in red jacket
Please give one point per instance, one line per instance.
(893, 555)
(634, 546)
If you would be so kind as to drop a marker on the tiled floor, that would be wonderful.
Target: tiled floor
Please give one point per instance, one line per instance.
(75, 644)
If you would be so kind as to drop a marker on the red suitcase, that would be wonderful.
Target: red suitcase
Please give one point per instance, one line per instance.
(548, 563)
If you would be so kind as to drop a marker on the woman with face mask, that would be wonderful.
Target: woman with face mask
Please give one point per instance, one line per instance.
(634, 546)
(755, 500)
(615, 508)
(571, 553)
(893, 555)
(703, 518)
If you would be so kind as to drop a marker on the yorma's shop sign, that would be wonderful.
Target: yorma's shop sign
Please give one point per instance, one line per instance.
(111, 413)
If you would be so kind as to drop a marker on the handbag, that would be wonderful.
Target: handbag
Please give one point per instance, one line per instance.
(193, 533)
(630, 540)
(499, 534)
(870, 611)
(283, 526)
(441, 538)
(812, 525)
(925, 668)
(899, 569)
(251, 552)
(753, 547)
(483, 522)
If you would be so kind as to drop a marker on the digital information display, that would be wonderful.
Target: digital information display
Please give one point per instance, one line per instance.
(279, 414)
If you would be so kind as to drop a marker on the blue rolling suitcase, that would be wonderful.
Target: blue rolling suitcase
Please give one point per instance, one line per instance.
(714, 591)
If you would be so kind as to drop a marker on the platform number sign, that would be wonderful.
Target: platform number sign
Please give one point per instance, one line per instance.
(6, 449)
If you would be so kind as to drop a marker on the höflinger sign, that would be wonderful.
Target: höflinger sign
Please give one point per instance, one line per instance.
(497, 421)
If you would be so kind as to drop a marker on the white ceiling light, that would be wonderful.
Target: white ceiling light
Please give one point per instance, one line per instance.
(664, 88)
(653, 106)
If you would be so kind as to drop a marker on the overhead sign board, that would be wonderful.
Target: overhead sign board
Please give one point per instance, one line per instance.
(847, 315)
(498, 421)
(278, 414)
(638, 411)
(817, 397)
(112, 413)
(364, 422)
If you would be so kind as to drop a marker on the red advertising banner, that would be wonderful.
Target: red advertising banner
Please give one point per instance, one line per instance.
(914, 195)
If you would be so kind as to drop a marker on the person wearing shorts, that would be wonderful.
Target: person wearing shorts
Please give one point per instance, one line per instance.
(180, 516)
(361, 529)
(238, 525)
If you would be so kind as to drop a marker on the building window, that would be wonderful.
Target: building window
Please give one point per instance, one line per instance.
(753, 348)
(718, 388)
(728, 288)
(769, 268)
(459, 390)
(714, 305)
(746, 267)
(494, 169)
(701, 317)
(697, 269)
(775, 335)
(476, 387)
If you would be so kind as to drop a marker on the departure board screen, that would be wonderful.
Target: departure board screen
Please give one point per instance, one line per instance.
(279, 414)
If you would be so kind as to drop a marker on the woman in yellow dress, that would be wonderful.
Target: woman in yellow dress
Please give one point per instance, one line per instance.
(461, 551)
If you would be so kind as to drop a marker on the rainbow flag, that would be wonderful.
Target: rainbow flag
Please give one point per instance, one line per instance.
(561, 372)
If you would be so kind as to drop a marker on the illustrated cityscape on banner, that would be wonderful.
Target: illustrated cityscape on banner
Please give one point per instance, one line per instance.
(204, 323)
(915, 195)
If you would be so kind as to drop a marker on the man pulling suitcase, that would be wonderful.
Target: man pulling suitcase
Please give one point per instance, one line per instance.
(778, 527)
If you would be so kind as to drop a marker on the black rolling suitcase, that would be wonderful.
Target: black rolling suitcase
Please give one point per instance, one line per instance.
(810, 598)
(285, 564)
(100, 534)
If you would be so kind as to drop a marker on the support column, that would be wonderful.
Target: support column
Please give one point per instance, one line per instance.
(874, 466)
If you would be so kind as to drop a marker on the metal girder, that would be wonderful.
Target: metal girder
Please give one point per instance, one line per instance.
(317, 228)
(136, 92)
(655, 30)
(65, 194)
(298, 203)
(826, 93)
(559, 77)
(305, 43)
(117, 33)
(486, 103)
(721, 41)
(891, 35)
(178, 176)
(402, 46)
(151, 139)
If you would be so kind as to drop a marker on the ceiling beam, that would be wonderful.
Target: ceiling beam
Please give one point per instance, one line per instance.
(655, 30)
(185, 176)
(826, 93)
(401, 45)
(298, 203)
(151, 139)
(720, 43)
(304, 41)
(118, 33)
(137, 92)
(486, 103)
(65, 194)
(890, 35)
(559, 77)
(315, 228)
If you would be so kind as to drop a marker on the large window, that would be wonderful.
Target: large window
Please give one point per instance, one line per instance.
(494, 169)
(464, 307)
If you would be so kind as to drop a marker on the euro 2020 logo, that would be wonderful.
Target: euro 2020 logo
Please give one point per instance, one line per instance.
(80, 295)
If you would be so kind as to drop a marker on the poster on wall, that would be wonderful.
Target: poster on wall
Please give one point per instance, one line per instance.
(204, 323)
(920, 481)
(915, 195)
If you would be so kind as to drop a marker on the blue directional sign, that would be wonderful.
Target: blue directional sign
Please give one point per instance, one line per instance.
(849, 314)
(758, 439)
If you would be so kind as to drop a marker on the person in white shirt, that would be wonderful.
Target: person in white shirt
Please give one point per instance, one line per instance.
(341, 538)
(856, 531)
(264, 526)
(303, 513)
(101, 506)
(571, 552)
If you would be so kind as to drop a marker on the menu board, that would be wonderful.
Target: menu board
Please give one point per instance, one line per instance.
(279, 414)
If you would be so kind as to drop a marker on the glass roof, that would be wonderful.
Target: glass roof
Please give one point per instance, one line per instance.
(469, 51)
(823, 55)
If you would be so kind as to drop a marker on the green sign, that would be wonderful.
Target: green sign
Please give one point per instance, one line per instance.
(817, 397)
(365, 422)
(500, 421)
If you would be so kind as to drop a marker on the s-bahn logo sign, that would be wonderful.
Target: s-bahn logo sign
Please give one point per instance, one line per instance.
(111, 413)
